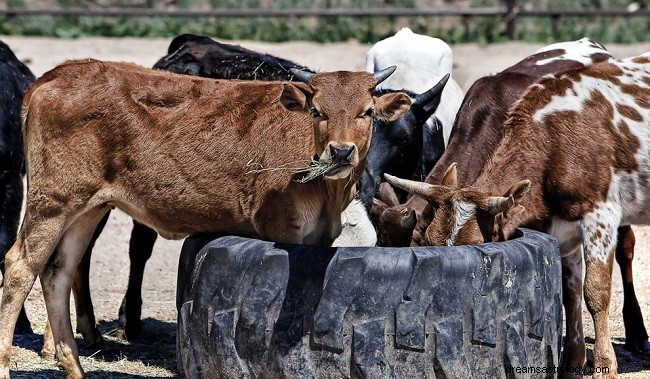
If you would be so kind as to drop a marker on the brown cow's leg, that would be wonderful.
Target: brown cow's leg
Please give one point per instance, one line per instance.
(24, 261)
(48, 351)
(636, 335)
(599, 233)
(56, 280)
(141, 245)
(86, 324)
(597, 297)
(573, 351)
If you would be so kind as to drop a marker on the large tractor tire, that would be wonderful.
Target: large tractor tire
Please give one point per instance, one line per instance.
(255, 309)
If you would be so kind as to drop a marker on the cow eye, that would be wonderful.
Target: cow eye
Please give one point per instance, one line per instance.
(369, 112)
(314, 113)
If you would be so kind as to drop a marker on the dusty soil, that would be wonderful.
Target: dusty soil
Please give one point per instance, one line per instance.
(153, 355)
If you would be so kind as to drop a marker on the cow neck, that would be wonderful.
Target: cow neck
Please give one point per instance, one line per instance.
(521, 156)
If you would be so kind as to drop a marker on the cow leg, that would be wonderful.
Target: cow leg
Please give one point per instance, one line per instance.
(86, 323)
(636, 335)
(56, 280)
(11, 198)
(599, 230)
(141, 245)
(573, 351)
(24, 261)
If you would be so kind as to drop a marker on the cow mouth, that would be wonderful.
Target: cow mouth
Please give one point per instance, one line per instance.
(338, 170)
(325, 168)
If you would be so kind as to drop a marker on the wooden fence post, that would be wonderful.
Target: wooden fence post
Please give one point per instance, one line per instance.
(510, 18)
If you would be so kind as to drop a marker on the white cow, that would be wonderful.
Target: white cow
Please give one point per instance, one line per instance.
(421, 62)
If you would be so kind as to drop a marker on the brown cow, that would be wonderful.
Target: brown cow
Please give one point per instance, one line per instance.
(581, 188)
(175, 153)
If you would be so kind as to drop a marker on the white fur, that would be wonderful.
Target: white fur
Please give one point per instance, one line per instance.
(357, 228)
(600, 229)
(421, 62)
(580, 51)
(463, 212)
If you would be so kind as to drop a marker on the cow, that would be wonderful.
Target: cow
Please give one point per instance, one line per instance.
(202, 56)
(15, 77)
(400, 147)
(550, 174)
(477, 132)
(421, 62)
(173, 152)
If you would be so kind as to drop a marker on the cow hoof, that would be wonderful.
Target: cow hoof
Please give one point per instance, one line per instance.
(94, 341)
(373, 312)
(128, 332)
(639, 346)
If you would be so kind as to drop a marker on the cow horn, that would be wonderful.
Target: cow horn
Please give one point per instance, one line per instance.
(301, 75)
(380, 76)
(426, 103)
(498, 204)
(411, 186)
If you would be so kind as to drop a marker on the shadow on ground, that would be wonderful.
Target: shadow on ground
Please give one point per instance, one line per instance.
(156, 346)
(628, 361)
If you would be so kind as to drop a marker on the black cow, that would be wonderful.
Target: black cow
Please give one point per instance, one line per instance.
(404, 145)
(15, 77)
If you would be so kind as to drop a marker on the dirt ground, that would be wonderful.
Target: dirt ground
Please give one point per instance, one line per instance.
(153, 355)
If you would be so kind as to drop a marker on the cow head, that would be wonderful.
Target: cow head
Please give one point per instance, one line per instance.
(463, 216)
(397, 146)
(342, 106)
(387, 210)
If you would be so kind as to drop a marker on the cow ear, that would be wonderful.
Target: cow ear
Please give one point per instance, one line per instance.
(391, 106)
(387, 194)
(378, 207)
(518, 190)
(450, 178)
(295, 96)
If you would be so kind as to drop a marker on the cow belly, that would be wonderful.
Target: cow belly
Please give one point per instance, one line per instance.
(632, 192)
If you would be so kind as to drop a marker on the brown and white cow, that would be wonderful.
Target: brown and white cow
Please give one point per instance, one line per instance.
(173, 152)
(477, 131)
(579, 144)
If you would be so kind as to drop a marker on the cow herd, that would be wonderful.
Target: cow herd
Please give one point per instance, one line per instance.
(221, 139)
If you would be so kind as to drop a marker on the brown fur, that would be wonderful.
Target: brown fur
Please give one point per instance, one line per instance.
(174, 152)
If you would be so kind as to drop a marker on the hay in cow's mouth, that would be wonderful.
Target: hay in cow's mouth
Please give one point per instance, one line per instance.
(315, 169)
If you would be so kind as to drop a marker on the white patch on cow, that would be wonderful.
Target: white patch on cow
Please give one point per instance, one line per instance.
(463, 212)
(579, 51)
(567, 234)
(574, 98)
(599, 231)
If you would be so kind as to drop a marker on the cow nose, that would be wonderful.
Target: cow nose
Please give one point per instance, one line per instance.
(341, 153)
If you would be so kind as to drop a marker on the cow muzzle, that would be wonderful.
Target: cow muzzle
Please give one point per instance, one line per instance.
(343, 159)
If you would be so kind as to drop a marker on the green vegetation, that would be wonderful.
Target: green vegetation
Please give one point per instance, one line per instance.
(331, 29)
